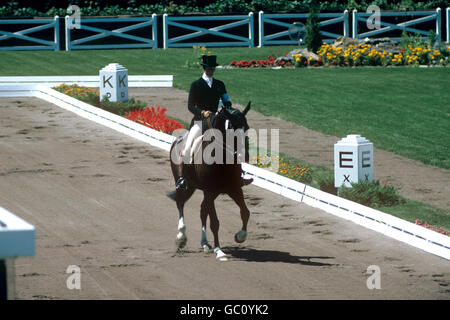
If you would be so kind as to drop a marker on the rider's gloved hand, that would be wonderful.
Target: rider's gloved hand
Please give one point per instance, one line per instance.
(206, 114)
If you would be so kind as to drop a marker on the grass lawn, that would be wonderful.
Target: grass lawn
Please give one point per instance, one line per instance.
(404, 110)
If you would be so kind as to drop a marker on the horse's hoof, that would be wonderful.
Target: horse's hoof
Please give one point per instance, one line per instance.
(181, 241)
(206, 248)
(220, 255)
(241, 236)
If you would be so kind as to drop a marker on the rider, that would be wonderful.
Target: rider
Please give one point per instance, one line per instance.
(204, 96)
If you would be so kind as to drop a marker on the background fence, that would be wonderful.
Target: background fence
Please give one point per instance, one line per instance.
(165, 31)
(388, 27)
(217, 31)
(282, 36)
(22, 37)
(147, 39)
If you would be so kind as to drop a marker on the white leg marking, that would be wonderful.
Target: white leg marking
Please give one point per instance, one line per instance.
(181, 235)
(220, 255)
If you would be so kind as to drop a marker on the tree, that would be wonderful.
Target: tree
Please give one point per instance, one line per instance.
(313, 37)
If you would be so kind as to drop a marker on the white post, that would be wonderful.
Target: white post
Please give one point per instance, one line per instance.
(353, 161)
(261, 29)
(154, 31)
(165, 31)
(447, 16)
(114, 82)
(250, 30)
(66, 26)
(438, 25)
(354, 24)
(346, 23)
(56, 33)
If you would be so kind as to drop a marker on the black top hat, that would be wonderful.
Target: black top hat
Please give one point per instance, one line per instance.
(209, 61)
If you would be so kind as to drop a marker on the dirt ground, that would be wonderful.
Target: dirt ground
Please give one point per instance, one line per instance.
(414, 180)
(98, 200)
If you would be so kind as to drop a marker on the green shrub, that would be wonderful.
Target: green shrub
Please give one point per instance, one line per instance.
(91, 96)
(372, 194)
(326, 183)
(313, 39)
(26, 8)
(120, 108)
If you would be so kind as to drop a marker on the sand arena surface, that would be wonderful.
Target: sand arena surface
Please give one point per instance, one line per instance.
(98, 200)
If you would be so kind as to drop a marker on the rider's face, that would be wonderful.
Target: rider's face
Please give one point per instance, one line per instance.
(209, 71)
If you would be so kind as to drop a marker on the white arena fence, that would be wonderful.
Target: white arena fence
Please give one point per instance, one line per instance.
(386, 224)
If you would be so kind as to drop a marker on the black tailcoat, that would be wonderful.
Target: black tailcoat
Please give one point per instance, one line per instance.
(203, 98)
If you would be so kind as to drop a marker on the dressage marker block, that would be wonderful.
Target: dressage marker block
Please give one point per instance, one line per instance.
(353, 161)
(381, 222)
(114, 83)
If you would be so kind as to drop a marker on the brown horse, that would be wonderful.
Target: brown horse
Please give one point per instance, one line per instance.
(214, 178)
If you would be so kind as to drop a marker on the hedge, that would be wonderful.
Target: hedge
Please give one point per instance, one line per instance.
(50, 8)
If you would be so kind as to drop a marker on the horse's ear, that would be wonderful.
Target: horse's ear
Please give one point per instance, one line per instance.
(247, 108)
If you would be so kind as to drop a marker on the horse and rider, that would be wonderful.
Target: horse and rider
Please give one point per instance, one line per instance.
(205, 95)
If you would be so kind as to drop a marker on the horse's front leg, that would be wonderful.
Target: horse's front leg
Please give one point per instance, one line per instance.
(238, 197)
(181, 196)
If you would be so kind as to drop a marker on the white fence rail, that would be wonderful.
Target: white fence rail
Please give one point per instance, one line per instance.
(129, 41)
(216, 31)
(90, 81)
(420, 17)
(37, 43)
(17, 237)
(277, 19)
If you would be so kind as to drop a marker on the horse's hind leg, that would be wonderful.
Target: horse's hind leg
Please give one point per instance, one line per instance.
(238, 197)
(208, 208)
(181, 197)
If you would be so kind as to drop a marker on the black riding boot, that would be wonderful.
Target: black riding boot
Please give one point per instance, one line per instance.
(245, 182)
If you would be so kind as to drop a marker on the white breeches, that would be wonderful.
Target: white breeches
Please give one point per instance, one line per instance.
(195, 132)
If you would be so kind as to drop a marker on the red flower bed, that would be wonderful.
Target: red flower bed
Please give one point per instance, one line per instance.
(270, 62)
(155, 119)
(441, 230)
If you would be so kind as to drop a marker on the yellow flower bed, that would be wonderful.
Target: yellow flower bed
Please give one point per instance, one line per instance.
(74, 90)
(296, 172)
(365, 54)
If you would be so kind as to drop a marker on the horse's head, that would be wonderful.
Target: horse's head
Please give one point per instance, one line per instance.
(230, 120)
